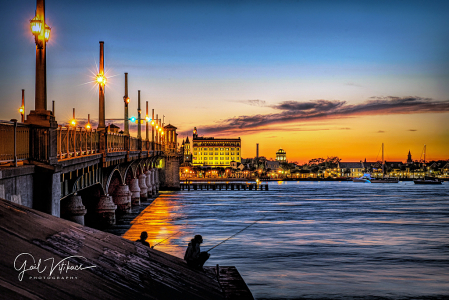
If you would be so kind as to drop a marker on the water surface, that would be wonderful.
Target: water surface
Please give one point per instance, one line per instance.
(335, 240)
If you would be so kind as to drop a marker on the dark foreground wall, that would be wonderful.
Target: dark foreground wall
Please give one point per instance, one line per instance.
(123, 269)
(16, 184)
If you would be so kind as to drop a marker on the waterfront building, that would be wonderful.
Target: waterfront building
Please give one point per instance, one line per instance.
(351, 169)
(113, 128)
(215, 152)
(281, 156)
(187, 153)
(272, 165)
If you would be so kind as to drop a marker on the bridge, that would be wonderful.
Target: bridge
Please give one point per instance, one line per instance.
(79, 173)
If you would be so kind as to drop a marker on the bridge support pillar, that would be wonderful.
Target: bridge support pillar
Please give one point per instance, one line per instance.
(122, 198)
(157, 183)
(143, 187)
(135, 192)
(106, 210)
(72, 209)
(148, 183)
(170, 173)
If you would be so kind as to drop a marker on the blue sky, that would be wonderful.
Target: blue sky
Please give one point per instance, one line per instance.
(197, 62)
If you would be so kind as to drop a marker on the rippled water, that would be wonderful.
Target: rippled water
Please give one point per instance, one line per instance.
(335, 240)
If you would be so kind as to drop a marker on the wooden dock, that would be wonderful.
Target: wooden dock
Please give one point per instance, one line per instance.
(220, 186)
(121, 269)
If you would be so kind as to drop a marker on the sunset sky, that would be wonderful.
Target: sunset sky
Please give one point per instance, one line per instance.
(317, 78)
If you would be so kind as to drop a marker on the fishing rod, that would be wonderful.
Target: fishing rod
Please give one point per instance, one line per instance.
(235, 234)
(165, 239)
(168, 237)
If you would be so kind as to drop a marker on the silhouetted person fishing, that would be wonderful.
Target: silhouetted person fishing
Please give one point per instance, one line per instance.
(143, 237)
(193, 256)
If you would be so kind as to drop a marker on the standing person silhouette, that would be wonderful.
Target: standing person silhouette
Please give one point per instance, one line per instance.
(194, 257)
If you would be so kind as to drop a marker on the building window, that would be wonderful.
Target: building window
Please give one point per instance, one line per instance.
(221, 149)
(232, 149)
(238, 153)
(221, 153)
(205, 158)
(232, 158)
(194, 153)
(227, 149)
(221, 158)
(232, 153)
(216, 153)
(216, 149)
(227, 153)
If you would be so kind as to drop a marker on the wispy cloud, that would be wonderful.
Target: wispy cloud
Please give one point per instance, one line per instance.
(305, 111)
(381, 131)
(255, 102)
(412, 130)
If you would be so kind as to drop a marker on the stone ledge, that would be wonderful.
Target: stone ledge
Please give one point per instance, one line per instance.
(16, 171)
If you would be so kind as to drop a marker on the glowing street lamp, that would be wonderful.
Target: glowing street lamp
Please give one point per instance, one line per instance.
(101, 79)
(41, 32)
(36, 26)
(73, 122)
(88, 126)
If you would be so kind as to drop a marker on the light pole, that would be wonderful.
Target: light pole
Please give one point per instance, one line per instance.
(139, 135)
(126, 100)
(101, 80)
(41, 31)
(22, 108)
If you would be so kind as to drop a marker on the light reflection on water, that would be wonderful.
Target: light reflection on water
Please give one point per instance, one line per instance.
(318, 239)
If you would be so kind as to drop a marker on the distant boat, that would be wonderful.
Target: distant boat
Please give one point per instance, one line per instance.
(366, 178)
(428, 180)
(385, 180)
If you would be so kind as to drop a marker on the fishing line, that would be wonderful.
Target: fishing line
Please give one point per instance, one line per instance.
(235, 234)
(168, 237)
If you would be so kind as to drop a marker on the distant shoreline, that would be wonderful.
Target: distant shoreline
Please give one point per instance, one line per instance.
(285, 179)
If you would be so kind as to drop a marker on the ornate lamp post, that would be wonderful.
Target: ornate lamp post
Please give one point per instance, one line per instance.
(101, 80)
(126, 100)
(22, 108)
(41, 31)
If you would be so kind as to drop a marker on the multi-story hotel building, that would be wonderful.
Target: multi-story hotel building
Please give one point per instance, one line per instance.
(215, 152)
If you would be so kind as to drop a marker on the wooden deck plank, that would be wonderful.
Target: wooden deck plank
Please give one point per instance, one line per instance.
(232, 283)
(123, 269)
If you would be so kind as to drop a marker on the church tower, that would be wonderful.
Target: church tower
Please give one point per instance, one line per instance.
(187, 153)
(409, 158)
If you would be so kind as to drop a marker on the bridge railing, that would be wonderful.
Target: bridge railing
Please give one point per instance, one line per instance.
(14, 141)
(115, 142)
(133, 143)
(73, 142)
